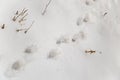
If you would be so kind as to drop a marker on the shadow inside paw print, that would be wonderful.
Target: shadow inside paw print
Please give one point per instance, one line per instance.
(15, 68)
(30, 49)
(54, 53)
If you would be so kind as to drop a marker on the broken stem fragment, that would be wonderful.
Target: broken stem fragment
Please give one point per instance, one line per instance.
(26, 29)
(46, 6)
(90, 51)
(3, 26)
(18, 30)
(24, 11)
(23, 18)
(29, 27)
(19, 14)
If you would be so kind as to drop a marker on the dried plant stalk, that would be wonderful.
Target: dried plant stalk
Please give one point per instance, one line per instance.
(23, 18)
(26, 29)
(90, 51)
(22, 13)
(29, 27)
(46, 6)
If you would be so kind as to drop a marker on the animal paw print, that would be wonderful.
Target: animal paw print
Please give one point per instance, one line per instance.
(54, 53)
(63, 39)
(15, 68)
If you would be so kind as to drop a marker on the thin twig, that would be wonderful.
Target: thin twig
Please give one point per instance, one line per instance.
(29, 27)
(90, 51)
(26, 29)
(21, 14)
(18, 30)
(23, 18)
(24, 11)
(46, 6)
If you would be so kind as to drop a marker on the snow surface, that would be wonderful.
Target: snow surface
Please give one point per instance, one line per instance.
(55, 46)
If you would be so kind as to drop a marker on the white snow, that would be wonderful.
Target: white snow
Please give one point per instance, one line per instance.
(57, 41)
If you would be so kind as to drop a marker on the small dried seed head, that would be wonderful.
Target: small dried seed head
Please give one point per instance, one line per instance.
(3, 26)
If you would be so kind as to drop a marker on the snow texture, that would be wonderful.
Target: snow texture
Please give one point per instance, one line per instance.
(59, 40)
